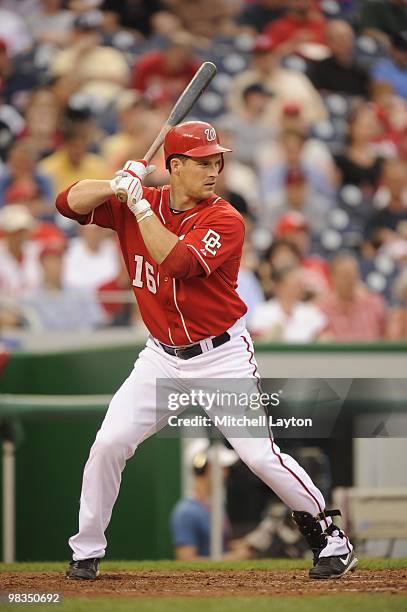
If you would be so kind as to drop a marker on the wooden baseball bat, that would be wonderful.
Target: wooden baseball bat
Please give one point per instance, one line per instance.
(183, 105)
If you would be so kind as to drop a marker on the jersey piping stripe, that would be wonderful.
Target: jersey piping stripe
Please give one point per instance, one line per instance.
(159, 208)
(200, 257)
(91, 218)
(180, 313)
(218, 198)
(186, 218)
(170, 337)
(255, 373)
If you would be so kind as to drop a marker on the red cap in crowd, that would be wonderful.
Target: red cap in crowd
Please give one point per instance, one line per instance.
(48, 233)
(55, 247)
(263, 44)
(291, 222)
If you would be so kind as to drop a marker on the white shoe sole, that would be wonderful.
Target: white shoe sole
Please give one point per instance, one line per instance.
(351, 568)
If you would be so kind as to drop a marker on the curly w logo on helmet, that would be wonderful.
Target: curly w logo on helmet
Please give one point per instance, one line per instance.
(210, 134)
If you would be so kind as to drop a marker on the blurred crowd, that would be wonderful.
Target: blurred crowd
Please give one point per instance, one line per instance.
(310, 95)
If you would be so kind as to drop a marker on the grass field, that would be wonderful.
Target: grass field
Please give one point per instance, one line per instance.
(378, 585)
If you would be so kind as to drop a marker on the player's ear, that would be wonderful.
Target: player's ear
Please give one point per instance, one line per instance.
(175, 165)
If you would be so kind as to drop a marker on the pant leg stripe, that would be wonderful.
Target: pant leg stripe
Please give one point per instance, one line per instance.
(255, 373)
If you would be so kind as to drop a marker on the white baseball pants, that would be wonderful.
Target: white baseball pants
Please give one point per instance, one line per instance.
(133, 416)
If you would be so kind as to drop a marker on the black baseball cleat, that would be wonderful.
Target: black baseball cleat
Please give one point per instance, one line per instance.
(86, 569)
(334, 567)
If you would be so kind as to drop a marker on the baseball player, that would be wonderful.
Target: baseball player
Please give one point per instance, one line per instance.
(182, 246)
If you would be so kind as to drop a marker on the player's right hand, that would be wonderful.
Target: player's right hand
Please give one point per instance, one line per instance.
(137, 169)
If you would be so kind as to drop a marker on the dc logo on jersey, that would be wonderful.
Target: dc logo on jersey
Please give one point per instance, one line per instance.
(210, 134)
(212, 242)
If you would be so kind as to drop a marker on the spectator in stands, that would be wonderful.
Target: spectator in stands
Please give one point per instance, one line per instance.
(142, 18)
(24, 8)
(190, 518)
(314, 152)
(293, 228)
(166, 71)
(302, 23)
(393, 69)
(397, 322)
(280, 254)
(42, 116)
(286, 85)
(340, 72)
(138, 125)
(251, 128)
(101, 70)
(248, 285)
(19, 265)
(294, 184)
(22, 181)
(51, 23)
(16, 78)
(391, 112)
(254, 15)
(14, 30)
(297, 194)
(378, 267)
(206, 19)
(72, 161)
(286, 318)
(11, 128)
(354, 314)
(64, 88)
(91, 259)
(392, 199)
(55, 307)
(291, 247)
(383, 18)
(359, 164)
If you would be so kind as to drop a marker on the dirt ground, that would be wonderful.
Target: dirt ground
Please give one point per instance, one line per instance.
(204, 583)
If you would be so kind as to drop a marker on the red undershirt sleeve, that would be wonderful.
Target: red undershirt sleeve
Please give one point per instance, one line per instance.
(180, 263)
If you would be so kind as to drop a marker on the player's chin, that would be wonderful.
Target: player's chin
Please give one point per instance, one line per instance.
(207, 191)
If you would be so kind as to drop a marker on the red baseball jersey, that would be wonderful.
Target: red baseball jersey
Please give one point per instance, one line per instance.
(179, 311)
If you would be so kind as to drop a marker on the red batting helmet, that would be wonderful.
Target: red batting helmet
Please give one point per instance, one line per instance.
(193, 139)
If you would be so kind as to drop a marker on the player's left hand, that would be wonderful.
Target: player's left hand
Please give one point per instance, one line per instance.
(128, 180)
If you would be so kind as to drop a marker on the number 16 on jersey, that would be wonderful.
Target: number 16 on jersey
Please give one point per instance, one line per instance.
(149, 274)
